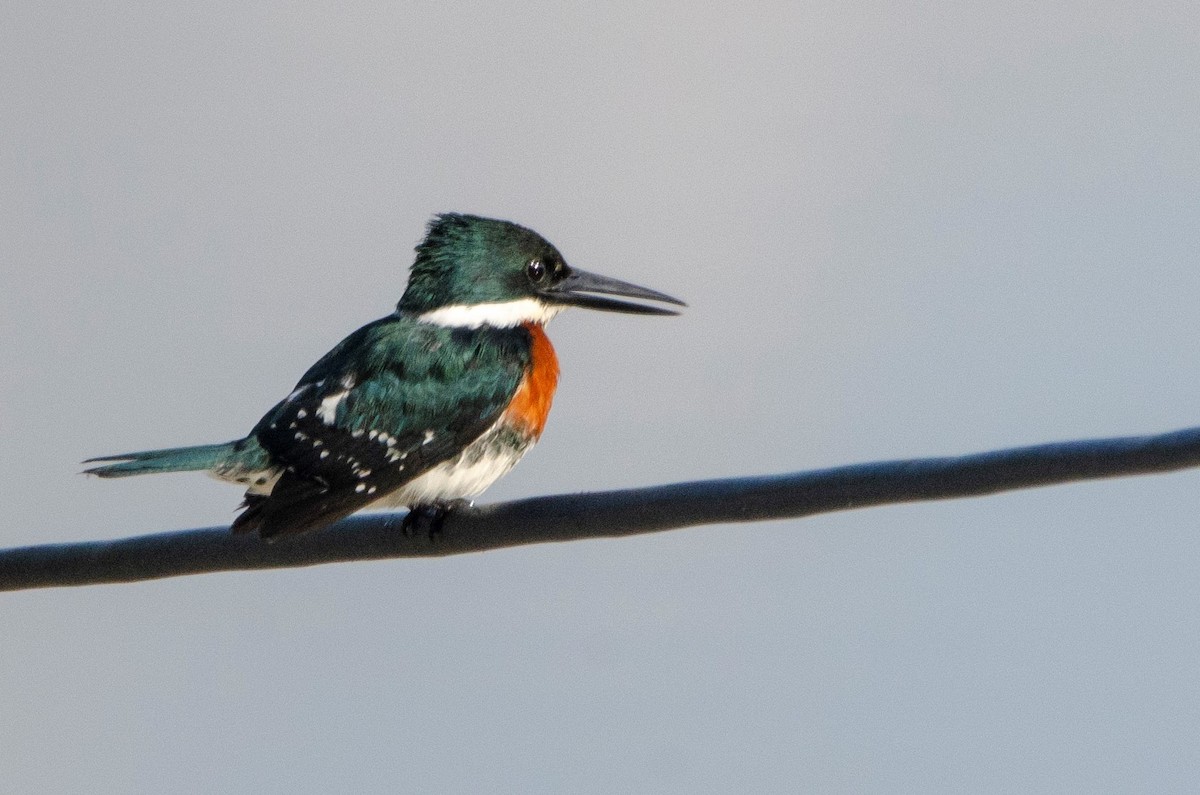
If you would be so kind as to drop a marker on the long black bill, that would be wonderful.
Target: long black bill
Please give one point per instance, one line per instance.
(579, 288)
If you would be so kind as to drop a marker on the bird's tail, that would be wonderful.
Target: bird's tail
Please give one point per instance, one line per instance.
(175, 459)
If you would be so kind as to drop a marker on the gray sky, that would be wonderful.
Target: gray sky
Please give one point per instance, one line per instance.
(903, 228)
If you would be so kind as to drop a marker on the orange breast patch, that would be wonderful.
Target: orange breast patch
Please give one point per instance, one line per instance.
(531, 404)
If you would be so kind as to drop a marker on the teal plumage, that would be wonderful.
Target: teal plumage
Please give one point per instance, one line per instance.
(174, 459)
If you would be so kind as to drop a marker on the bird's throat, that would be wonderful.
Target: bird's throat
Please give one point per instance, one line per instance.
(531, 404)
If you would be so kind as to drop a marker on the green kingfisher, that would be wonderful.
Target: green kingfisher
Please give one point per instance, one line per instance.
(423, 408)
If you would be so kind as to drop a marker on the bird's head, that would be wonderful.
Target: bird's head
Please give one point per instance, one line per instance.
(473, 271)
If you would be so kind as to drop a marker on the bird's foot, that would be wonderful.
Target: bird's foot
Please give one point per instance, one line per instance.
(427, 520)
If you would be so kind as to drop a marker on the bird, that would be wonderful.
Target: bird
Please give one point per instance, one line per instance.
(423, 408)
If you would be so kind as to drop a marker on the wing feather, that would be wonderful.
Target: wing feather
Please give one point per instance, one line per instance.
(391, 401)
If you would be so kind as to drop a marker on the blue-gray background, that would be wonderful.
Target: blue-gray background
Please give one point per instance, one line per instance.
(903, 228)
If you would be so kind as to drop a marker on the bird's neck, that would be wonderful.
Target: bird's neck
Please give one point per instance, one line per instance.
(498, 314)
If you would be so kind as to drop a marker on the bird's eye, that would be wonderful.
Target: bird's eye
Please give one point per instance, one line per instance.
(536, 270)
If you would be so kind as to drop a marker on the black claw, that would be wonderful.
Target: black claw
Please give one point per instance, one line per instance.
(427, 520)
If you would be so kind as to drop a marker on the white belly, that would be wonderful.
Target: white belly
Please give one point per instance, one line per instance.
(480, 465)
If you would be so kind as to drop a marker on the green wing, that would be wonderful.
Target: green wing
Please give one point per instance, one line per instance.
(391, 401)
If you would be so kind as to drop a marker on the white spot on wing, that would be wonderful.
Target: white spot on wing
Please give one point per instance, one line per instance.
(328, 408)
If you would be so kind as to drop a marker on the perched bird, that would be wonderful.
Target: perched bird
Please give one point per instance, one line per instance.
(422, 408)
